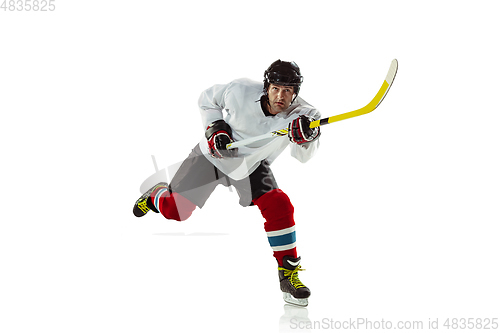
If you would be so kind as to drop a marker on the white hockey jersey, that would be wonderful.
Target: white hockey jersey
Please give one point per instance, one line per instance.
(238, 103)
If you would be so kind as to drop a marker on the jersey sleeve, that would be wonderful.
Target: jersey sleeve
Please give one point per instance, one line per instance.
(211, 104)
(305, 152)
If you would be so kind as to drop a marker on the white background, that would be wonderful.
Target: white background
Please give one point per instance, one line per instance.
(397, 215)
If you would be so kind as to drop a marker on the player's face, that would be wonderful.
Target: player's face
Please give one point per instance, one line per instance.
(280, 98)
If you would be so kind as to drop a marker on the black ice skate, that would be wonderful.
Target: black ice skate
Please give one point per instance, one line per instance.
(144, 203)
(294, 291)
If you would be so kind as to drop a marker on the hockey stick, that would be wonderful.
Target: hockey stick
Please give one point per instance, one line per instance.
(375, 102)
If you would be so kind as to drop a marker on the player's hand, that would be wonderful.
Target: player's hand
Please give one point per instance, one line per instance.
(219, 135)
(300, 132)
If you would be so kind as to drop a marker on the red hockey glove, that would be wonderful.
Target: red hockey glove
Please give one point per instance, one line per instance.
(219, 134)
(299, 131)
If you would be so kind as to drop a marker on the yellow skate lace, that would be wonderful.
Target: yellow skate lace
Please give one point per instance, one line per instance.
(143, 206)
(293, 276)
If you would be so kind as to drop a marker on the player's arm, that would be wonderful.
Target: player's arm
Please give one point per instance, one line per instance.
(211, 104)
(217, 132)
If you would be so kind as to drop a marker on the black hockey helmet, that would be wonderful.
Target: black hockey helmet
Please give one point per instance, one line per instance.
(283, 73)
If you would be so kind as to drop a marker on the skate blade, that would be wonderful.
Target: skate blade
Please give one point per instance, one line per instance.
(287, 297)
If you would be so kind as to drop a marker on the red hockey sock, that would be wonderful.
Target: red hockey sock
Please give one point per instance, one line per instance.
(277, 209)
(172, 206)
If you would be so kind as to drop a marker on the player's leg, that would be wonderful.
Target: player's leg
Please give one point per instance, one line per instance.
(277, 210)
(191, 186)
(261, 189)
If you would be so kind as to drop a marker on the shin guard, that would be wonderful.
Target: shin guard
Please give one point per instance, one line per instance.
(277, 209)
(172, 206)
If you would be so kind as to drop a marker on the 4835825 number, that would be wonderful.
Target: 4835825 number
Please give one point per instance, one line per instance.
(471, 323)
(28, 5)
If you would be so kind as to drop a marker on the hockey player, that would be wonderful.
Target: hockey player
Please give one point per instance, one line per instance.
(239, 110)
